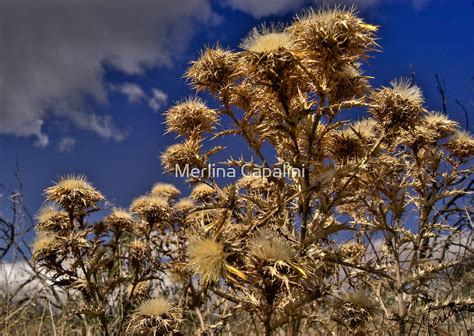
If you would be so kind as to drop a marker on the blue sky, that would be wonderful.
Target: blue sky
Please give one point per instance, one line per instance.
(83, 89)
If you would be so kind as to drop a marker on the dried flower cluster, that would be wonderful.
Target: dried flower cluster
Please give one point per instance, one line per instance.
(367, 241)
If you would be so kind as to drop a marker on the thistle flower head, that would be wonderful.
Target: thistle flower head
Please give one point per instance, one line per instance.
(366, 128)
(185, 204)
(352, 250)
(398, 106)
(139, 289)
(165, 190)
(50, 218)
(266, 40)
(119, 220)
(462, 144)
(268, 245)
(346, 83)
(345, 144)
(354, 310)
(253, 183)
(182, 155)
(151, 208)
(190, 116)
(207, 259)
(154, 307)
(337, 32)
(153, 317)
(138, 249)
(74, 192)
(440, 123)
(213, 70)
(202, 192)
(44, 240)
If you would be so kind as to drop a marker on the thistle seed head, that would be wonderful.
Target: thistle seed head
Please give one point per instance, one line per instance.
(182, 155)
(50, 218)
(207, 259)
(462, 144)
(190, 116)
(74, 192)
(268, 245)
(119, 220)
(398, 106)
(202, 192)
(165, 190)
(151, 208)
(213, 71)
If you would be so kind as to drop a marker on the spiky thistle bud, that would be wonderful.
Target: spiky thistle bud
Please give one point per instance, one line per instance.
(202, 192)
(50, 218)
(182, 155)
(400, 106)
(119, 221)
(151, 208)
(346, 144)
(165, 190)
(213, 71)
(462, 144)
(332, 34)
(74, 192)
(190, 116)
(184, 205)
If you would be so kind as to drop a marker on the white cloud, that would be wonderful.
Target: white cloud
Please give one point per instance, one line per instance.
(66, 144)
(158, 99)
(132, 91)
(261, 8)
(52, 55)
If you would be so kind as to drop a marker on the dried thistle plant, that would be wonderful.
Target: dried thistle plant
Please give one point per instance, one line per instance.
(366, 239)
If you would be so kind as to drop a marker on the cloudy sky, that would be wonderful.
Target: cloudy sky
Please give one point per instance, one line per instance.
(84, 83)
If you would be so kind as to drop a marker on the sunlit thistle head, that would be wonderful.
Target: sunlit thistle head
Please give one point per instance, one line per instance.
(400, 106)
(268, 245)
(407, 91)
(462, 144)
(119, 220)
(253, 183)
(151, 208)
(334, 32)
(213, 70)
(202, 192)
(182, 155)
(190, 116)
(437, 125)
(43, 241)
(50, 218)
(366, 128)
(185, 204)
(207, 259)
(165, 190)
(153, 317)
(267, 40)
(74, 192)
(154, 307)
(354, 311)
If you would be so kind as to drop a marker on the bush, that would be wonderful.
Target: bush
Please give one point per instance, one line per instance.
(366, 234)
